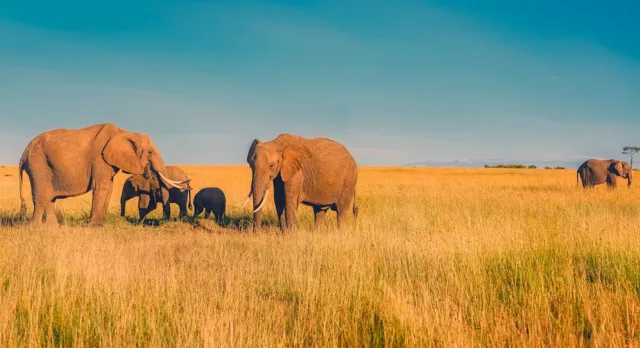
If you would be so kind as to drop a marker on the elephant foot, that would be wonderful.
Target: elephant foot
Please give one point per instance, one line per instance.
(289, 227)
(35, 223)
(53, 223)
(93, 224)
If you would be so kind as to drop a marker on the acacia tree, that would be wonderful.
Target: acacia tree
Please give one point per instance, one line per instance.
(631, 151)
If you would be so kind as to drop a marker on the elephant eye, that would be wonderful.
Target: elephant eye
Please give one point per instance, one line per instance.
(272, 165)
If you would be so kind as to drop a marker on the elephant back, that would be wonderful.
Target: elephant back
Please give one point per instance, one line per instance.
(177, 174)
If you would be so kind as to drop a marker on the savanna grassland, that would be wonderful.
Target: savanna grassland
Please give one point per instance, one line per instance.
(463, 257)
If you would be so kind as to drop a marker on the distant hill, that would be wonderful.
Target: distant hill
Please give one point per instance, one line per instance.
(472, 163)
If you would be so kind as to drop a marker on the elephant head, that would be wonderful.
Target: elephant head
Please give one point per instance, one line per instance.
(268, 160)
(135, 153)
(149, 191)
(622, 169)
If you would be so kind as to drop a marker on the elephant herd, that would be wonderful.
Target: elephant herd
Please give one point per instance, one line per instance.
(317, 172)
(62, 163)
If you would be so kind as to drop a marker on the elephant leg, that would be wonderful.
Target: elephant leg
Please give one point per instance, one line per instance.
(587, 179)
(291, 214)
(143, 215)
(207, 212)
(279, 200)
(183, 209)
(123, 205)
(100, 204)
(197, 210)
(52, 219)
(39, 206)
(319, 214)
(611, 181)
(257, 220)
(292, 193)
(166, 211)
(221, 218)
(341, 215)
(41, 195)
(343, 207)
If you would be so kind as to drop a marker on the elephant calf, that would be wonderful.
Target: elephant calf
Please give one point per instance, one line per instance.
(151, 191)
(210, 199)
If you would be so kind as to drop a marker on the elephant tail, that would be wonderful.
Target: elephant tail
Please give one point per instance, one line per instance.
(189, 188)
(23, 204)
(355, 206)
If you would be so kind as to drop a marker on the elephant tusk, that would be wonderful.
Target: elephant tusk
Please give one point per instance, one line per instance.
(175, 184)
(264, 200)
(247, 200)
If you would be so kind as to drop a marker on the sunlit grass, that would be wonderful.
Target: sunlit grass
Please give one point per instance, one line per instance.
(466, 257)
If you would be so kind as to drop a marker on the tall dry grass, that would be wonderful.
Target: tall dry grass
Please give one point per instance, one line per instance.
(463, 257)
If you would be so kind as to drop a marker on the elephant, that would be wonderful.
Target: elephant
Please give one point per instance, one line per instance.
(594, 172)
(316, 172)
(64, 162)
(211, 200)
(150, 192)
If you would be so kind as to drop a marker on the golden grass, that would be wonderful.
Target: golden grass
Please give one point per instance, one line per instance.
(463, 257)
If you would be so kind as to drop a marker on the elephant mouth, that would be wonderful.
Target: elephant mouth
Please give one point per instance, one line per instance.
(263, 201)
(168, 182)
(147, 172)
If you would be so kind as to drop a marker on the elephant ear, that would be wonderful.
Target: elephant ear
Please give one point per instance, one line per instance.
(124, 152)
(139, 182)
(252, 150)
(616, 166)
(294, 158)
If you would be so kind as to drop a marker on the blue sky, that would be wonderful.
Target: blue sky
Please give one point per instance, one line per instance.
(395, 81)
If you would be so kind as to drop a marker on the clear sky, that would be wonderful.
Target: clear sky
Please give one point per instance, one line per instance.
(395, 81)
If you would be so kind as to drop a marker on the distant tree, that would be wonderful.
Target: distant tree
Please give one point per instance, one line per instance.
(533, 166)
(631, 151)
(548, 168)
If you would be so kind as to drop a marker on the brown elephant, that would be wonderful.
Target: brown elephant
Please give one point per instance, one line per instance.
(317, 172)
(594, 172)
(65, 163)
(150, 192)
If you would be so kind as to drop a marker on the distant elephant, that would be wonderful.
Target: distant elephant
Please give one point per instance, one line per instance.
(317, 172)
(150, 192)
(211, 200)
(594, 172)
(65, 163)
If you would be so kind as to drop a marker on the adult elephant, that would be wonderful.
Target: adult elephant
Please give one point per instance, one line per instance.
(317, 172)
(149, 192)
(594, 172)
(65, 163)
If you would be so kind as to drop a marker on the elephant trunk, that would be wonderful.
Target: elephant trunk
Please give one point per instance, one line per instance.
(630, 177)
(157, 164)
(260, 191)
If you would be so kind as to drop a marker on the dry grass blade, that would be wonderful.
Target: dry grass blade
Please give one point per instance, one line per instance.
(463, 257)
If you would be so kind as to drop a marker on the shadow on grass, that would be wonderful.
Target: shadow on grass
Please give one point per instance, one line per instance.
(234, 222)
(13, 220)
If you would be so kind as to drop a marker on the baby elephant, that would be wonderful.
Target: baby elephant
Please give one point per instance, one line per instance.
(210, 199)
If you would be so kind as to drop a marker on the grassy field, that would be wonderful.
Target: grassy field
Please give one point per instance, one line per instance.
(463, 257)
